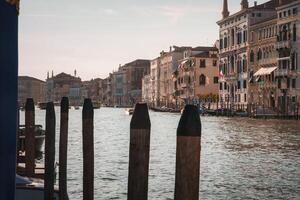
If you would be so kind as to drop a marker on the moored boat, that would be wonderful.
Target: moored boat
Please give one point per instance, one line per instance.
(39, 139)
(42, 105)
(129, 111)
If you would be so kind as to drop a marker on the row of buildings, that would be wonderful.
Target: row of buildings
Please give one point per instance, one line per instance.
(254, 61)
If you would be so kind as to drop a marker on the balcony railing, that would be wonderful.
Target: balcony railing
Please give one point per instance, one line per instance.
(283, 44)
(230, 77)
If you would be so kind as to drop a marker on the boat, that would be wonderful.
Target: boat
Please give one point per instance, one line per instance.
(76, 107)
(129, 111)
(96, 105)
(39, 139)
(42, 105)
(33, 189)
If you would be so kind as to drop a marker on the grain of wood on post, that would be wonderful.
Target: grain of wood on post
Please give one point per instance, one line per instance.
(29, 138)
(139, 153)
(49, 152)
(88, 149)
(188, 155)
(63, 148)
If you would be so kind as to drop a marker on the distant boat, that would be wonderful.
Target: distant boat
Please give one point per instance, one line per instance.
(39, 139)
(76, 107)
(42, 105)
(129, 111)
(96, 105)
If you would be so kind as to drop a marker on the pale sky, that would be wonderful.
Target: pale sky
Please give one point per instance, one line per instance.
(95, 36)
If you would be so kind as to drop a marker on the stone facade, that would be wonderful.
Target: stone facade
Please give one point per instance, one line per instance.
(64, 85)
(29, 87)
(288, 46)
(196, 78)
(234, 50)
(263, 64)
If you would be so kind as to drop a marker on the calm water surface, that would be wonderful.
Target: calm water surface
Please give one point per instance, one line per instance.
(240, 158)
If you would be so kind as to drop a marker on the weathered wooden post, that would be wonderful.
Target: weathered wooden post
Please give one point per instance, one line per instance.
(188, 155)
(49, 152)
(63, 148)
(8, 102)
(139, 153)
(88, 149)
(29, 138)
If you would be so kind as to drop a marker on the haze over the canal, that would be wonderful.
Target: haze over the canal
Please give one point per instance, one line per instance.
(95, 36)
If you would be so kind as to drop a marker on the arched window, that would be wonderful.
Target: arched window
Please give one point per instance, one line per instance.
(252, 56)
(202, 79)
(259, 54)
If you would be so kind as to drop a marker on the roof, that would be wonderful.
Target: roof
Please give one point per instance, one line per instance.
(204, 48)
(29, 78)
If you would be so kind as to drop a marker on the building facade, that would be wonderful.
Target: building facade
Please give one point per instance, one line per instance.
(263, 64)
(196, 79)
(234, 49)
(64, 85)
(29, 87)
(288, 47)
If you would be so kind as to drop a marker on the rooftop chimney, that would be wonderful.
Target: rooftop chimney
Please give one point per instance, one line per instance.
(255, 3)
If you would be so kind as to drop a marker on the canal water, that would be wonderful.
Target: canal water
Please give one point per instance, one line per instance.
(241, 158)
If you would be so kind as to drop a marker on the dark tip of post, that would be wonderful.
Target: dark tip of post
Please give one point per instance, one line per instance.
(29, 104)
(189, 124)
(64, 104)
(140, 118)
(50, 108)
(88, 110)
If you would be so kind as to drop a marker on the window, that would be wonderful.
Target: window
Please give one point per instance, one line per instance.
(280, 15)
(245, 97)
(279, 83)
(202, 63)
(294, 11)
(214, 63)
(238, 85)
(245, 36)
(252, 56)
(288, 83)
(293, 83)
(289, 12)
(225, 86)
(221, 43)
(259, 54)
(216, 80)
(202, 79)
(245, 84)
(221, 86)
(244, 65)
(258, 14)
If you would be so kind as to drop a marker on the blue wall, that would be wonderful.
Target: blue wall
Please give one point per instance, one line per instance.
(8, 98)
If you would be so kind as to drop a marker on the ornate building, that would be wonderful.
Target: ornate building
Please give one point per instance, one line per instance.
(234, 49)
(263, 63)
(288, 46)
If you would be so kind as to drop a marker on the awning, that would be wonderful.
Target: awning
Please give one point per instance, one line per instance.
(265, 71)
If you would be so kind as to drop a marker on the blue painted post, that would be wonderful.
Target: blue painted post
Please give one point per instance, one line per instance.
(8, 98)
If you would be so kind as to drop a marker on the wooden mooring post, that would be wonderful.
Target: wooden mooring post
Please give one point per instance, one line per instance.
(29, 138)
(49, 152)
(188, 155)
(88, 149)
(63, 148)
(139, 153)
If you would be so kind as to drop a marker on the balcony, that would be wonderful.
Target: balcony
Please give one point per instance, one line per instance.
(282, 72)
(284, 44)
(230, 77)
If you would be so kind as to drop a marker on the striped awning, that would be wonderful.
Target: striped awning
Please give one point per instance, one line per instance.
(265, 71)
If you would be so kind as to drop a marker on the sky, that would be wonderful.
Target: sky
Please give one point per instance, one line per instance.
(94, 36)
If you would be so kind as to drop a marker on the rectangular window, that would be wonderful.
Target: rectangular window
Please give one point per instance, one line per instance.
(216, 80)
(279, 83)
(202, 63)
(245, 84)
(293, 83)
(221, 86)
(225, 86)
(294, 11)
(238, 85)
(214, 63)
(245, 97)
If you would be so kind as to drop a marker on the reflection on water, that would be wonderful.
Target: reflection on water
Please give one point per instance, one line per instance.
(240, 158)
